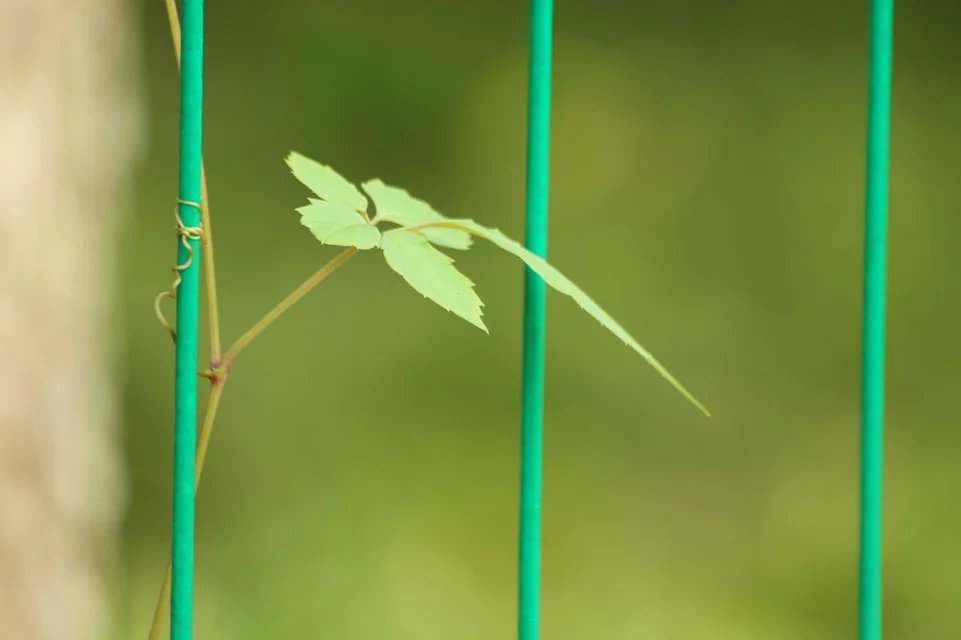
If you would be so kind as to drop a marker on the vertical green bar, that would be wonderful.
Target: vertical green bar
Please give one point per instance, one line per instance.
(188, 294)
(872, 365)
(532, 409)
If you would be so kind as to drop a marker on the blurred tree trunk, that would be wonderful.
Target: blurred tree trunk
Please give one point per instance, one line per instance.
(67, 125)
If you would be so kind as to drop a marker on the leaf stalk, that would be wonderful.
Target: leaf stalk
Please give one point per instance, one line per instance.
(295, 296)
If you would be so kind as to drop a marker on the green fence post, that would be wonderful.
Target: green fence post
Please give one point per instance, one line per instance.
(532, 411)
(188, 299)
(872, 367)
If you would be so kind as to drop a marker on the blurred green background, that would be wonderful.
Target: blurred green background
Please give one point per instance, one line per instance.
(707, 178)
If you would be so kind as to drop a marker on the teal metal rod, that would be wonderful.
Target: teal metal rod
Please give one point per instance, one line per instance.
(535, 292)
(873, 332)
(188, 308)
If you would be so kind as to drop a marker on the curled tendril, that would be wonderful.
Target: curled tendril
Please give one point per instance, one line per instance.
(186, 234)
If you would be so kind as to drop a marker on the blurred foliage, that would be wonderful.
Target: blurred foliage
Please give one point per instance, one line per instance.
(363, 473)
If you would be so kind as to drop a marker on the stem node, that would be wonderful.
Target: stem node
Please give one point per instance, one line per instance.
(216, 373)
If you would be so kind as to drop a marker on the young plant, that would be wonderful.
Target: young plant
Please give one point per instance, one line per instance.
(342, 216)
(408, 232)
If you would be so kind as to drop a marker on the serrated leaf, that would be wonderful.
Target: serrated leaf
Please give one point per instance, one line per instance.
(397, 206)
(558, 281)
(432, 274)
(325, 182)
(338, 225)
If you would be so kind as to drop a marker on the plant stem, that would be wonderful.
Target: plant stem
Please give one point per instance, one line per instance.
(210, 273)
(285, 304)
(162, 609)
(213, 403)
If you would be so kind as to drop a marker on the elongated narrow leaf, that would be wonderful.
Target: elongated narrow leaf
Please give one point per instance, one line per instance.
(558, 281)
(397, 206)
(325, 182)
(338, 225)
(432, 274)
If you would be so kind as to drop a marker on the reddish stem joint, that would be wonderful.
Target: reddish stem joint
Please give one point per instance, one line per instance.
(217, 372)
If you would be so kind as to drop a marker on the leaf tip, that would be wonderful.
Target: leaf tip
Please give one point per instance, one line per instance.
(479, 323)
(697, 403)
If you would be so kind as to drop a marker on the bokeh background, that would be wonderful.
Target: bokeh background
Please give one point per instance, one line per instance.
(707, 190)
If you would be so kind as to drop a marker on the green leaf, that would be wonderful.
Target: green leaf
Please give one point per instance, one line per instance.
(338, 225)
(325, 182)
(397, 206)
(362, 236)
(558, 281)
(432, 274)
(340, 218)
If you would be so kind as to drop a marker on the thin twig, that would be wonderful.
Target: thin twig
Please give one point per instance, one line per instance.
(161, 612)
(285, 304)
(162, 609)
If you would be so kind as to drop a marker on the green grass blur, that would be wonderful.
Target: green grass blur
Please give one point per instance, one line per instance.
(707, 190)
